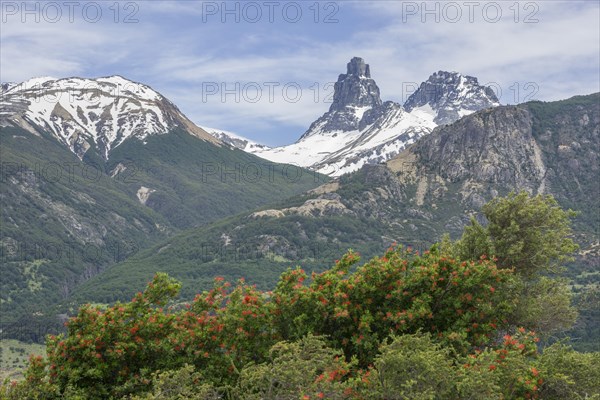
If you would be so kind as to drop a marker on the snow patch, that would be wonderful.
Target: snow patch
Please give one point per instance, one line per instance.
(235, 140)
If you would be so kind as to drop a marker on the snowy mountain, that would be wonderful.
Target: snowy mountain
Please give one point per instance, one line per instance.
(236, 140)
(92, 113)
(450, 96)
(360, 129)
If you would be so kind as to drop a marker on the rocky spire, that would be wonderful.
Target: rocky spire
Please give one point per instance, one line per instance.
(355, 88)
(355, 93)
(357, 66)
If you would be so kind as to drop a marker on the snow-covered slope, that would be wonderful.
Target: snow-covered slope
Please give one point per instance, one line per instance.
(236, 140)
(360, 129)
(336, 152)
(92, 113)
(448, 96)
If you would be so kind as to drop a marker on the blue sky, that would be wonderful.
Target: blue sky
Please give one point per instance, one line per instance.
(265, 69)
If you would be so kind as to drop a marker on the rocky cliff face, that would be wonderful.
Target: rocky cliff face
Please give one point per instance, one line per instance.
(491, 147)
(546, 148)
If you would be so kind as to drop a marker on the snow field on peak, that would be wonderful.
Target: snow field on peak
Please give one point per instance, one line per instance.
(336, 152)
(104, 111)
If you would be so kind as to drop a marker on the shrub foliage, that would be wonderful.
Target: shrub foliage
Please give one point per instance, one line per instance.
(400, 326)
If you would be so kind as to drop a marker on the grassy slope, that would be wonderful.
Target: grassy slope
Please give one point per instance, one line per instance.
(197, 182)
(57, 225)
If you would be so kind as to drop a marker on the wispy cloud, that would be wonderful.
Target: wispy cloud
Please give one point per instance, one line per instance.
(182, 51)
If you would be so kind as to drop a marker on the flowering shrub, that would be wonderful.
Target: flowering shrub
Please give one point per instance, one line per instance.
(305, 369)
(461, 303)
(508, 369)
(421, 325)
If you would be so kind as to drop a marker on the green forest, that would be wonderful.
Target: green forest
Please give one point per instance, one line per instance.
(482, 317)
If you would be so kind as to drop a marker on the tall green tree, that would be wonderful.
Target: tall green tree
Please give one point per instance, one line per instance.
(531, 234)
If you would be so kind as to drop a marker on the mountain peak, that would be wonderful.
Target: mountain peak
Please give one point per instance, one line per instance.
(355, 88)
(360, 129)
(451, 95)
(6, 86)
(357, 67)
(98, 114)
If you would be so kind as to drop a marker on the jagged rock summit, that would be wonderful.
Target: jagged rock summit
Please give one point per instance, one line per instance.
(360, 128)
(449, 96)
(356, 88)
(354, 93)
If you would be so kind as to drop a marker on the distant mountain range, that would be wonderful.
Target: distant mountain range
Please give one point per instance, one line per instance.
(360, 129)
(94, 116)
(235, 140)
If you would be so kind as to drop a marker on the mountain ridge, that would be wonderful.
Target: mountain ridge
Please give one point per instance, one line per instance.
(97, 114)
(360, 128)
